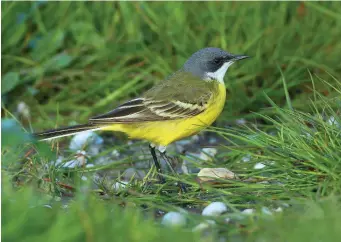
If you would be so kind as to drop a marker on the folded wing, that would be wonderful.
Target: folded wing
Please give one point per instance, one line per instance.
(181, 96)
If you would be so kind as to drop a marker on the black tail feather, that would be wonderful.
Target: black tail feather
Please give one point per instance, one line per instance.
(55, 133)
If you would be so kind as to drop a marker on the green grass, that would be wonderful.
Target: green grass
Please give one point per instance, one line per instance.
(71, 60)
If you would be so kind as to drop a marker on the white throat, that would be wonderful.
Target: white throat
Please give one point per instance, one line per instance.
(220, 73)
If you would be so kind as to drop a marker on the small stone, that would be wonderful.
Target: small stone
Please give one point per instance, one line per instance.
(212, 140)
(59, 160)
(278, 210)
(174, 219)
(87, 137)
(214, 209)
(89, 165)
(84, 178)
(259, 166)
(240, 121)
(211, 174)
(23, 109)
(246, 158)
(115, 153)
(204, 225)
(332, 121)
(94, 150)
(78, 162)
(248, 211)
(184, 168)
(118, 186)
(195, 138)
(266, 211)
(207, 154)
(184, 142)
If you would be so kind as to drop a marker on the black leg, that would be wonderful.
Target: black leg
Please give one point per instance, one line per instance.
(167, 159)
(157, 164)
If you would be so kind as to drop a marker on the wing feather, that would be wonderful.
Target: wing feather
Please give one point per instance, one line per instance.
(162, 103)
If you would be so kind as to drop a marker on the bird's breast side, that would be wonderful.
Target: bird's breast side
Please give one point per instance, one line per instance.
(166, 132)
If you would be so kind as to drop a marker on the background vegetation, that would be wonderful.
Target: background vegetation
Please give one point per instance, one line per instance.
(65, 61)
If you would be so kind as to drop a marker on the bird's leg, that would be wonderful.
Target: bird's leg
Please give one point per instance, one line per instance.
(157, 164)
(167, 159)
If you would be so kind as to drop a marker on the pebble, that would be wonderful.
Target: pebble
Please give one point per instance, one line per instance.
(207, 154)
(266, 211)
(195, 138)
(259, 166)
(174, 219)
(212, 140)
(79, 161)
(214, 209)
(117, 186)
(332, 121)
(23, 109)
(240, 121)
(248, 211)
(278, 210)
(184, 142)
(246, 158)
(87, 137)
(211, 174)
(204, 225)
(115, 153)
(89, 165)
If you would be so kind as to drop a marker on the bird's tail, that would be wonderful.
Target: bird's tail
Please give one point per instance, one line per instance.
(71, 130)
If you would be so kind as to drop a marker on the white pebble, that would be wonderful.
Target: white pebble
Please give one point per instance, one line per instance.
(89, 165)
(204, 225)
(80, 139)
(118, 186)
(259, 166)
(278, 210)
(241, 121)
(248, 211)
(78, 162)
(115, 153)
(174, 219)
(266, 211)
(23, 109)
(246, 158)
(207, 154)
(59, 160)
(214, 209)
(195, 138)
(210, 174)
(84, 178)
(332, 121)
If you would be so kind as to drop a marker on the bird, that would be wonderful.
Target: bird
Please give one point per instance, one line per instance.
(181, 105)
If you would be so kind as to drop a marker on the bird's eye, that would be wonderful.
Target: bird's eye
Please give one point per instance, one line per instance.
(217, 60)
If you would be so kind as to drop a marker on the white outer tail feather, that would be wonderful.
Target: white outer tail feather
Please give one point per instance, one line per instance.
(69, 134)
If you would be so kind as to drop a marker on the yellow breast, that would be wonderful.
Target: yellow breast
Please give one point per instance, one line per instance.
(166, 132)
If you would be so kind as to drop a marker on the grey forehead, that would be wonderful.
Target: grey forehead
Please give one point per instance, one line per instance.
(209, 52)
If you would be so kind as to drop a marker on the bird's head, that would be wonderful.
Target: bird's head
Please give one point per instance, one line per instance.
(211, 63)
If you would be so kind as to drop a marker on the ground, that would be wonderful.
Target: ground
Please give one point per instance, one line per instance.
(277, 142)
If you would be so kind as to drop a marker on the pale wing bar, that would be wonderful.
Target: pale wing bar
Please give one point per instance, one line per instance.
(142, 109)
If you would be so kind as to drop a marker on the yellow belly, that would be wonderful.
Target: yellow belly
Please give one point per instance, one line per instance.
(165, 132)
